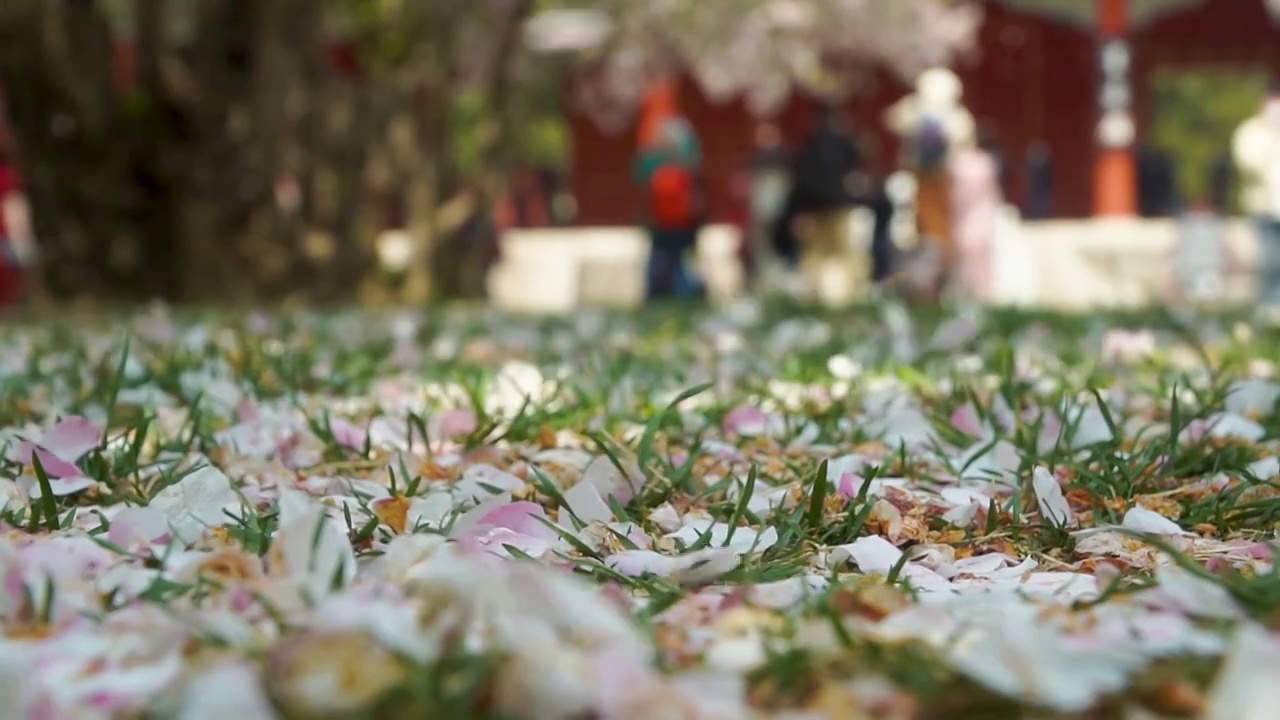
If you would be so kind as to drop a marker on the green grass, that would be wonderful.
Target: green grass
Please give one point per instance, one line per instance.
(653, 390)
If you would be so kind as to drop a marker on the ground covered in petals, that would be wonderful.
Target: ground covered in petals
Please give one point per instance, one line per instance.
(752, 511)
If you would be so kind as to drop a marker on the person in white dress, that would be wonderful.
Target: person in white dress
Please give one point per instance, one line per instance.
(976, 202)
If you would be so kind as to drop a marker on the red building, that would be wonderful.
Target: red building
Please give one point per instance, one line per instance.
(1035, 75)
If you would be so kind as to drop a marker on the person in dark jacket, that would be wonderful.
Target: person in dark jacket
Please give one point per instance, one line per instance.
(768, 184)
(821, 203)
(823, 165)
(1039, 205)
(1222, 178)
(882, 255)
(1158, 195)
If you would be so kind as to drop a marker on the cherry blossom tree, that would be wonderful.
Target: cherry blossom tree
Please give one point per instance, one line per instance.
(762, 49)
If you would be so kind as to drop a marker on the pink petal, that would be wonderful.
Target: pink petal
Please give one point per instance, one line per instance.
(14, 585)
(347, 434)
(1195, 431)
(620, 679)
(452, 423)
(260, 323)
(136, 526)
(966, 420)
(1253, 550)
(495, 541)
(1050, 431)
(52, 465)
(66, 556)
(21, 453)
(850, 485)
(62, 487)
(519, 517)
(247, 411)
(71, 438)
(746, 421)
(1004, 414)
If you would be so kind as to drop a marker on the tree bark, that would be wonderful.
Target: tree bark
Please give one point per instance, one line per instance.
(166, 190)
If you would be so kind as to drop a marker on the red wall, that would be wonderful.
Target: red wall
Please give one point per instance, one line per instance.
(1030, 78)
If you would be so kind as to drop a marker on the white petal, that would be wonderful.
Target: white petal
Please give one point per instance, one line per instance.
(196, 502)
(1246, 688)
(691, 568)
(313, 553)
(1232, 425)
(1140, 519)
(229, 690)
(872, 554)
(1252, 396)
(1053, 504)
(586, 504)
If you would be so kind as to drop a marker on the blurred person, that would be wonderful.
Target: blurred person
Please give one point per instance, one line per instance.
(1039, 201)
(1221, 181)
(769, 185)
(1158, 195)
(834, 271)
(882, 248)
(976, 202)
(739, 216)
(675, 140)
(669, 173)
(560, 202)
(1256, 148)
(931, 122)
(786, 246)
(16, 245)
(872, 193)
(1202, 259)
(526, 203)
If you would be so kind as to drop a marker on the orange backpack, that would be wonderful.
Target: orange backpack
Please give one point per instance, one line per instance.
(672, 198)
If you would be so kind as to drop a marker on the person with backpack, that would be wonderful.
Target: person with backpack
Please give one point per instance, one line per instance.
(674, 210)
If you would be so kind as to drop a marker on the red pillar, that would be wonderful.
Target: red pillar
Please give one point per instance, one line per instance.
(1115, 183)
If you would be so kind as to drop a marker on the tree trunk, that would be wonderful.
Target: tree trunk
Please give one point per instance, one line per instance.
(167, 190)
(96, 233)
(456, 252)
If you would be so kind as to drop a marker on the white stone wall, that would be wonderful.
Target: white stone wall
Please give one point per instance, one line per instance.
(1121, 262)
(556, 270)
(1066, 264)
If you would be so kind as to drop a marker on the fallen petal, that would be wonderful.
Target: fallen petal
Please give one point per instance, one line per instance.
(71, 438)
